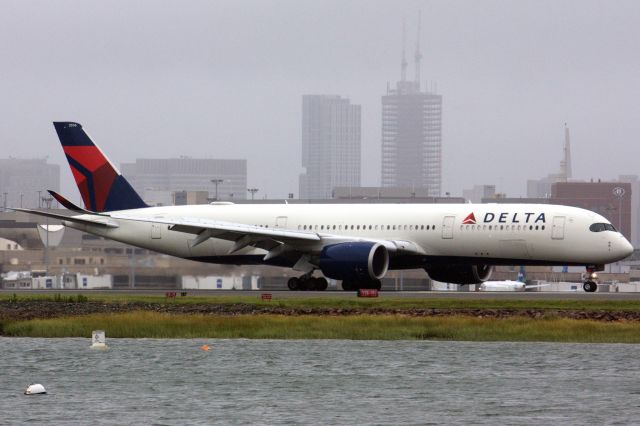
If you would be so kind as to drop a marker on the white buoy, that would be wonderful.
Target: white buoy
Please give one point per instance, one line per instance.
(35, 389)
(98, 340)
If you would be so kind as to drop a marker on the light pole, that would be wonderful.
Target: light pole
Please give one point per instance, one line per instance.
(216, 182)
(5, 201)
(39, 199)
(252, 191)
(47, 203)
(21, 197)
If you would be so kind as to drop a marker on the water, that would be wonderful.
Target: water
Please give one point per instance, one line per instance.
(140, 381)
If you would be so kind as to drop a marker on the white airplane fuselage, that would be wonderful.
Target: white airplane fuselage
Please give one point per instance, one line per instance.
(460, 233)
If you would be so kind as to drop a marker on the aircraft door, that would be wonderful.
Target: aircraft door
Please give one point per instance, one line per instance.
(447, 227)
(156, 231)
(281, 222)
(557, 229)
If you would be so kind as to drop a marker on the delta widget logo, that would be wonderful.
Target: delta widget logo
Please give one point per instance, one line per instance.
(469, 220)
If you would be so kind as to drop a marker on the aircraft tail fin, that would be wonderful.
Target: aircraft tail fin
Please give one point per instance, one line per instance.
(101, 185)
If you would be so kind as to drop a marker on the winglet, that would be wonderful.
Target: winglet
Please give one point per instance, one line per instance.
(68, 204)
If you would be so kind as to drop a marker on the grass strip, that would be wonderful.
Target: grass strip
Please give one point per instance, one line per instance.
(358, 327)
(346, 301)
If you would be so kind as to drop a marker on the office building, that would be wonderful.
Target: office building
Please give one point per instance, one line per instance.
(610, 199)
(23, 181)
(412, 133)
(330, 145)
(224, 179)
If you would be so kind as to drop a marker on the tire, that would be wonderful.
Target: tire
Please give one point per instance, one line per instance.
(348, 285)
(377, 285)
(321, 284)
(311, 284)
(589, 286)
(293, 284)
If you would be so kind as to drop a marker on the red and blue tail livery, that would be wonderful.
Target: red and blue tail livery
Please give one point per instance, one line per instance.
(101, 185)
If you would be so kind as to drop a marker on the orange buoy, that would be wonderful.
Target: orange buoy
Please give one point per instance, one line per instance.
(204, 347)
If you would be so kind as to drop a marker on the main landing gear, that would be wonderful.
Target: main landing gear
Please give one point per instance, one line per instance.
(352, 285)
(590, 281)
(307, 282)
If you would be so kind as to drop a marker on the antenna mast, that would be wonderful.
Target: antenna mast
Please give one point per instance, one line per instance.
(403, 64)
(418, 56)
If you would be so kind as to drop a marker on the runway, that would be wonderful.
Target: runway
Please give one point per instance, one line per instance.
(285, 294)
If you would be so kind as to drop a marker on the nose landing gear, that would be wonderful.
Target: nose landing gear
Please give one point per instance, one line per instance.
(590, 280)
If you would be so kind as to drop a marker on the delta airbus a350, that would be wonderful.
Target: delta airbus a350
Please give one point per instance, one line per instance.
(354, 243)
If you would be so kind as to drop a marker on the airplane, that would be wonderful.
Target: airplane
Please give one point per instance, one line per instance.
(508, 285)
(353, 243)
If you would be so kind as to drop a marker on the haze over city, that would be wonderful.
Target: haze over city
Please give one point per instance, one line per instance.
(225, 80)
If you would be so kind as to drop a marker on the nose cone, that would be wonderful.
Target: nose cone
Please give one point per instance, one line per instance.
(623, 248)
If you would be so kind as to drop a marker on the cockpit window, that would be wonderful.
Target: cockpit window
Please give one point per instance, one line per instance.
(599, 227)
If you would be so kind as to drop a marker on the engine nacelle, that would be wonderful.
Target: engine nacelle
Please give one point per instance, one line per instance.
(460, 274)
(354, 261)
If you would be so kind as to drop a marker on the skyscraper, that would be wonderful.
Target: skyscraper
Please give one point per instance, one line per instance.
(330, 145)
(412, 133)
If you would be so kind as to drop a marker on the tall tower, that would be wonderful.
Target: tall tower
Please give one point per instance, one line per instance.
(412, 133)
(330, 145)
(565, 164)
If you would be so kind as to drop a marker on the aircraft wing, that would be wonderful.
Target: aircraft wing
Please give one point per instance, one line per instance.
(243, 235)
(265, 238)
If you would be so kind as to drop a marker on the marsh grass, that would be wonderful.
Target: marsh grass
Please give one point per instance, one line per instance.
(357, 327)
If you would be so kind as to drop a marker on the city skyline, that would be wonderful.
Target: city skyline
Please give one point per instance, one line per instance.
(228, 85)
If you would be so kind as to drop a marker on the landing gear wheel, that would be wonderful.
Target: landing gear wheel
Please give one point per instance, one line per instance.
(293, 284)
(589, 286)
(312, 284)
(321, 284)
(348, 285)
(377, 285)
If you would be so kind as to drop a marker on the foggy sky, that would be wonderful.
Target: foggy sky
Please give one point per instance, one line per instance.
(224, 79)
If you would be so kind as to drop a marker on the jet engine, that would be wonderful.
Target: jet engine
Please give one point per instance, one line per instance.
(358, 261)
(460, 274)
